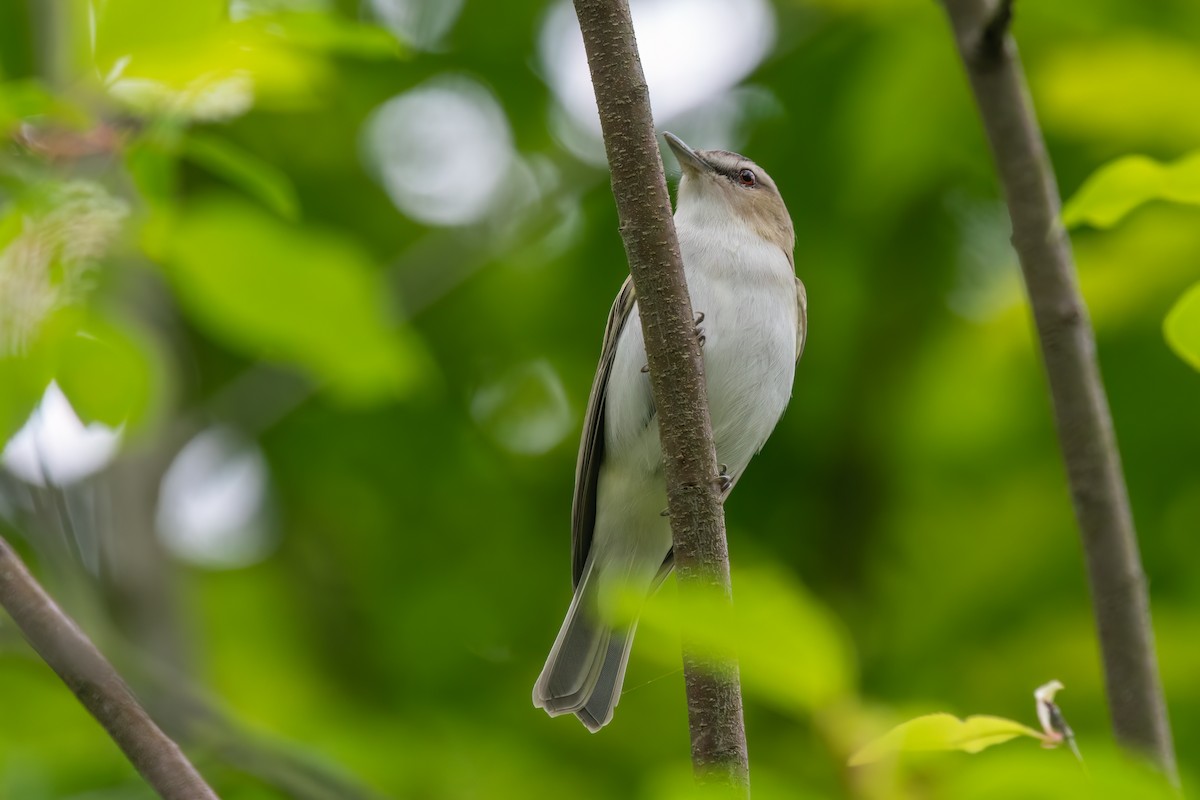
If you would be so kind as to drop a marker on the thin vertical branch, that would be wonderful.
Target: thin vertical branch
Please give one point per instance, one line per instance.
(1085, 431)
(676, 373)
(68, 651)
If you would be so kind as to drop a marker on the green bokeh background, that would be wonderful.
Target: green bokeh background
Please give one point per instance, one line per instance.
(417, 390)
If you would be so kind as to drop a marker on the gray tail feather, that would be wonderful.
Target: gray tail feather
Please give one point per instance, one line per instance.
(598, 710)
(586, 667)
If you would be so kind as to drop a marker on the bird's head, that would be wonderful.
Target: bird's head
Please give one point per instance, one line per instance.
(717, 186)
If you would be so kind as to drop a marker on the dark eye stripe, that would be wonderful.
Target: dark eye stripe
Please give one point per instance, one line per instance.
(734, 172)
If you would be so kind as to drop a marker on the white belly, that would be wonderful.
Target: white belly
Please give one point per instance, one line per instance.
(747, 294)
(746, 290)
(749, 358)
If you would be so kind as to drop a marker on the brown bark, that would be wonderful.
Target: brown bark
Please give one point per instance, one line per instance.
(676, 372)
(1082, 417)
(68, 651)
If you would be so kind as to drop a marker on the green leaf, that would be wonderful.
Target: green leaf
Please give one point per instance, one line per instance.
(105, 370)
(192, 63)
(1121, 186)
(131, 27)
(292, 294)
(790, 650)
(106, 373)
(943, 732)
(27, 98)
(246, 171)
(20, 100)
(332, 34)
(24, 379)
(152, 163)
(1182, 327)
(26, 372)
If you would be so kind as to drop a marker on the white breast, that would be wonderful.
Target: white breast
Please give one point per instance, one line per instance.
(747, 291)
(745, 288)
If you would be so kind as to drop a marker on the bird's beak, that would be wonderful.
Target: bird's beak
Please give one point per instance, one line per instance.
(686, 156)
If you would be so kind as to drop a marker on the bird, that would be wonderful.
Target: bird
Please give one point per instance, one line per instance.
(736, 240)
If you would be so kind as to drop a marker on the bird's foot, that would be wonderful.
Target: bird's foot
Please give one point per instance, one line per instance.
(700, 339)
(724, 479)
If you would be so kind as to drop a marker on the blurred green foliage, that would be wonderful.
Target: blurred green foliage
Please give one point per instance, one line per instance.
(1182, 326)
(198, 231)
(933, 732)
(1119, 187)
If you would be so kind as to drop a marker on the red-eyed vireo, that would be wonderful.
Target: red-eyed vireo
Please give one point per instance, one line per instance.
(736, 239)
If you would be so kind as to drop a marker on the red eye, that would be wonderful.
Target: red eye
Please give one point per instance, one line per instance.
(746, 178)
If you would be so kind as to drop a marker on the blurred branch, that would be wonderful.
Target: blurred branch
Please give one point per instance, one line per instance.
(137, 579)
(1084, 423)
(676, 373)
(68, 651)
(199, 719)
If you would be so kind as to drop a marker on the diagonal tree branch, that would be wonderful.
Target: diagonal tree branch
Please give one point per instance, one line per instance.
(68, 651)
(1085, 430)
(676, 373)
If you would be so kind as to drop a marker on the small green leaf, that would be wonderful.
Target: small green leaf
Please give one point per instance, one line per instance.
(1182, 327)
(106, 374)
(292, 294)
(943, 732)
(24, 379)
(246, 171)
(1119, 187)
(25, 372)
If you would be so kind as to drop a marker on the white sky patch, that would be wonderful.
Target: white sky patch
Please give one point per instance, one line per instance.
(443, 151)
(419, 23)
(691, 51)
(56, 440)
(212, 504)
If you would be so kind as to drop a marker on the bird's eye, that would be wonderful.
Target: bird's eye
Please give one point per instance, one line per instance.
(746, 178)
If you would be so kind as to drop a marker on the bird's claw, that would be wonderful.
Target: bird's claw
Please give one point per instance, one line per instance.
(700, 338)
(666, 512)
(724, 479)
